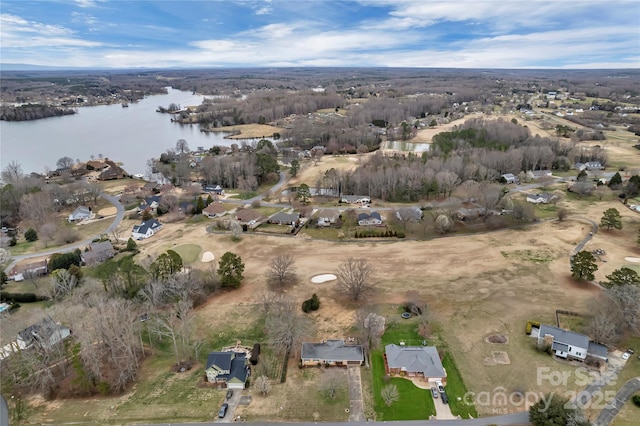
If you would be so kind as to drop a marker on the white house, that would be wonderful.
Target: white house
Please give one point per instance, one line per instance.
(80, 214)
(146, 229)
(570, 345)
(355, 199)
(543, 198)
(327, 217)
(372, 218)
(510, 178)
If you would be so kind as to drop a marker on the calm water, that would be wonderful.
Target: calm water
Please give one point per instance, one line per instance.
(128, 135)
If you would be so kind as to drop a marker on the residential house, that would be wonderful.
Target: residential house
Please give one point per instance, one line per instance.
(327, 217)
(282, 218)
(537, 174)
(355, 199)
(214, 210)
(414, 361)
(543, 198)
(95, 165)
(146, 229)
(80, 214)
(570, 345)
(112, 172)
(151, 187)
(150, 203)
(248, 217)
(45, 334)
(372, 218)
(410, 214)
(331, 353)
(97, 253)
(509, 178)
(589, 165)
(213, 189)
(38, 268)
(229, 369)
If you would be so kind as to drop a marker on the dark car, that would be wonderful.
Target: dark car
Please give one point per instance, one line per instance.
(445, 400)
(229, 393)
(434, 392)
(223, 410)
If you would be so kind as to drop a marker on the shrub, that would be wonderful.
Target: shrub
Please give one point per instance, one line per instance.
(530, 325)
(312, 304)
(31, 235)
(21, 297)
(255, 354)
(400, 234)
(636, 400)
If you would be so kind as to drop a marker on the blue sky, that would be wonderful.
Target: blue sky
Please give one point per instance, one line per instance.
(276, 33)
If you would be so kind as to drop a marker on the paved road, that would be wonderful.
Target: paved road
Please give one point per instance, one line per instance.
(115, 200)
(506, 420)
(611, 410)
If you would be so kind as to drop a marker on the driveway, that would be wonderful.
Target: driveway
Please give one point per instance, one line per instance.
(356, 404)
(231, 411)
(443, 411)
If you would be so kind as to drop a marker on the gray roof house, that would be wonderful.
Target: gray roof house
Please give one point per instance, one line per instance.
(327, 217)
(228, 368)
(509, 178)
(420, 361)
(331, 353)
(282, 218)
(81, 213)
(355, 199)
(97, 253)
(146, 229)
(567, 344)
(45, 333)
(543, 198)
(372, 218)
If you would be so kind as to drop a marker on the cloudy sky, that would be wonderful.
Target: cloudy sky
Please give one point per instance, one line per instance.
(285, 33)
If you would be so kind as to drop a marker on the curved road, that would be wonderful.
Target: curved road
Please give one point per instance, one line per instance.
(611, 410)
(115, 200)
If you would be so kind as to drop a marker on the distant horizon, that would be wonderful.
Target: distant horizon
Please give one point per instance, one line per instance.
(158, 34)
(8, 67)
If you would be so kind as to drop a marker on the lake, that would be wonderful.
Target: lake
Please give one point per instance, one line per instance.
(130, 135)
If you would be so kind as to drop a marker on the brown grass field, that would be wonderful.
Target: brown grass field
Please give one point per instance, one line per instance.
(475, 285)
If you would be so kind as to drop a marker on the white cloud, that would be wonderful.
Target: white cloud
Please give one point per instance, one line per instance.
(16, 32)
(88, 3)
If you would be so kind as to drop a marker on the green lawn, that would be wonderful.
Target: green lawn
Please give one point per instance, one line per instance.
(189, 252)
(414, 403)
(455, 389)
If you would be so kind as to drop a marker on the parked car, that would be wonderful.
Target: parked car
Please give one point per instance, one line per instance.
(439, 386)
(626, 356)
(445, 400)
(223, 410)
(229, 393)
(434, 392)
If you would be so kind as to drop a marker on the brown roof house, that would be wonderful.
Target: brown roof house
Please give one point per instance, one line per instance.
(214, 210)
(249, 217)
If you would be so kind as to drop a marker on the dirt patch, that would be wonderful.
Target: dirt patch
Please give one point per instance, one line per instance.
(107, 211)
(497, 358)
(497, 339)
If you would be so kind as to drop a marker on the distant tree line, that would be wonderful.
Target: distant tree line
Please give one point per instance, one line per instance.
(32, 112)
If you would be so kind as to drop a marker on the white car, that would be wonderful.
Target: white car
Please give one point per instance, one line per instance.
(625, 355)
(439, 386)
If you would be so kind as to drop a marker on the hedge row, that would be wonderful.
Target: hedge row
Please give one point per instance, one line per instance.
(21, 297)
(385, 234)
(530, 325)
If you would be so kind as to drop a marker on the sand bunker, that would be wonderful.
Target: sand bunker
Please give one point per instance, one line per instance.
(632, 259)
(323, 278)
(207, 257)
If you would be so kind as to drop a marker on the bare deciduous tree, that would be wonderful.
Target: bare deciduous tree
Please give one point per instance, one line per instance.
(355, 278)
(285, 327)
(62, 283)
(48, 232)
(263, 385)
(37, 207)
(332, 382)
(390, 394)
(282, 271)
